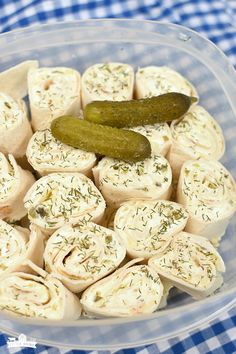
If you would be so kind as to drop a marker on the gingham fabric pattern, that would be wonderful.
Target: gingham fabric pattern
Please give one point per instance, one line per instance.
(216, 20)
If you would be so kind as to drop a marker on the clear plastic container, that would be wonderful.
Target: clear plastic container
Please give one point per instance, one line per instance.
(140, 43)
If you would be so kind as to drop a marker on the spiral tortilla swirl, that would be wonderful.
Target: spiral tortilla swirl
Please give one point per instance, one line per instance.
(47, 155)
(147, 227)
(191, 264)
(132, 290)
(63, 198)
(208, 192)
(196, 136)
(120, 181)
(82, 254)
(38, 296)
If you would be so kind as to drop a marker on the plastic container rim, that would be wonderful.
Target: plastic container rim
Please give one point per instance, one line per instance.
(52, 27)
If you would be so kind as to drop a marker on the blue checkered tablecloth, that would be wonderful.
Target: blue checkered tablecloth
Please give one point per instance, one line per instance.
(216, 19)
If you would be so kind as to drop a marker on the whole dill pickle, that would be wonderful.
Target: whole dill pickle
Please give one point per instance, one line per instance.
(158, 109)
(117, 143)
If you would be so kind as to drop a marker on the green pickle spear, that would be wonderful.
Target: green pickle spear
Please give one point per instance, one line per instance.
(158, 109)
(117, 143)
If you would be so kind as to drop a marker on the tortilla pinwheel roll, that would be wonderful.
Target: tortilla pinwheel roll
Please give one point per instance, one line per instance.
(191, 264)
(107, 81)
(120, 181)
(13, 81)
(130, 291)
(63, 198)
(47, 154)
(208, 192)
(14, 183)
(159, 136)
(196, 136)
(53, 92)
(82, 254)
(157, 80)
(17, 245)
(38, 296)
(147, 227)
(15, 128)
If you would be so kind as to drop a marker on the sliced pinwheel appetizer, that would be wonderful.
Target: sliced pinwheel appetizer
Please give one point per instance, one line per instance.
(63, 198)
(47, 154)
(15, 128)
(120, 181)
(196, 136)
(159, 136)
(107, 81)
(132, 290)
(13, 81)
(191, 264)
(147, 227)
(38, 296)
(82, 254)
(17, 245)
(208, 191)
(53, 92)
(14, 183)
(157, 80)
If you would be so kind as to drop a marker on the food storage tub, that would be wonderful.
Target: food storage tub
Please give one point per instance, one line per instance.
(139, 43)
